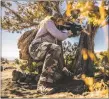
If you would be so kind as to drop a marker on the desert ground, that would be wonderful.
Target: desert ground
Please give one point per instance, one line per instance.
(10, 89)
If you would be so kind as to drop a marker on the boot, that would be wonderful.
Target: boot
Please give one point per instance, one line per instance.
(45, 88)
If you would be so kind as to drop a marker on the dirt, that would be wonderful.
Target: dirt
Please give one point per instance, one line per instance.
(10, 89)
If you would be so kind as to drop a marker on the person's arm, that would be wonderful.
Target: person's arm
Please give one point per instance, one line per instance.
(52, 29)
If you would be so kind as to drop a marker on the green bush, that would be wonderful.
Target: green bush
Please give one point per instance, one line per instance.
(17, 61)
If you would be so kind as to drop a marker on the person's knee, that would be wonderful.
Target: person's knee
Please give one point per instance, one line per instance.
(56, 47)
(57, 50)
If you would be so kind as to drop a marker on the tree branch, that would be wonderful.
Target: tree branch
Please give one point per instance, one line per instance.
(17, 15)
(20, 18)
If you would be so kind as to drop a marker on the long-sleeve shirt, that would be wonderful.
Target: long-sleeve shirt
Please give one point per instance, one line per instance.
(49, 27)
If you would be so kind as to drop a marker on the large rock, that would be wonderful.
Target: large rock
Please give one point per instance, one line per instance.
(23, 77)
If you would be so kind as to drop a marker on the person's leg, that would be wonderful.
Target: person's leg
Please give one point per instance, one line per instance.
(50, 71)
(52, 68)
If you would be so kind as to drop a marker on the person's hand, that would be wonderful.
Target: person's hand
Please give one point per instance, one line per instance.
(70, 33)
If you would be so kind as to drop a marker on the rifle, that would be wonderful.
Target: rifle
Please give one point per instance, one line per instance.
(75, 28)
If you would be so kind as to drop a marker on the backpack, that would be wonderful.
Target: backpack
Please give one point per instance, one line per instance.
(24, 42)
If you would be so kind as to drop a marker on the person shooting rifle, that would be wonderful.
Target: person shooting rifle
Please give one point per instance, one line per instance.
(44, 48)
